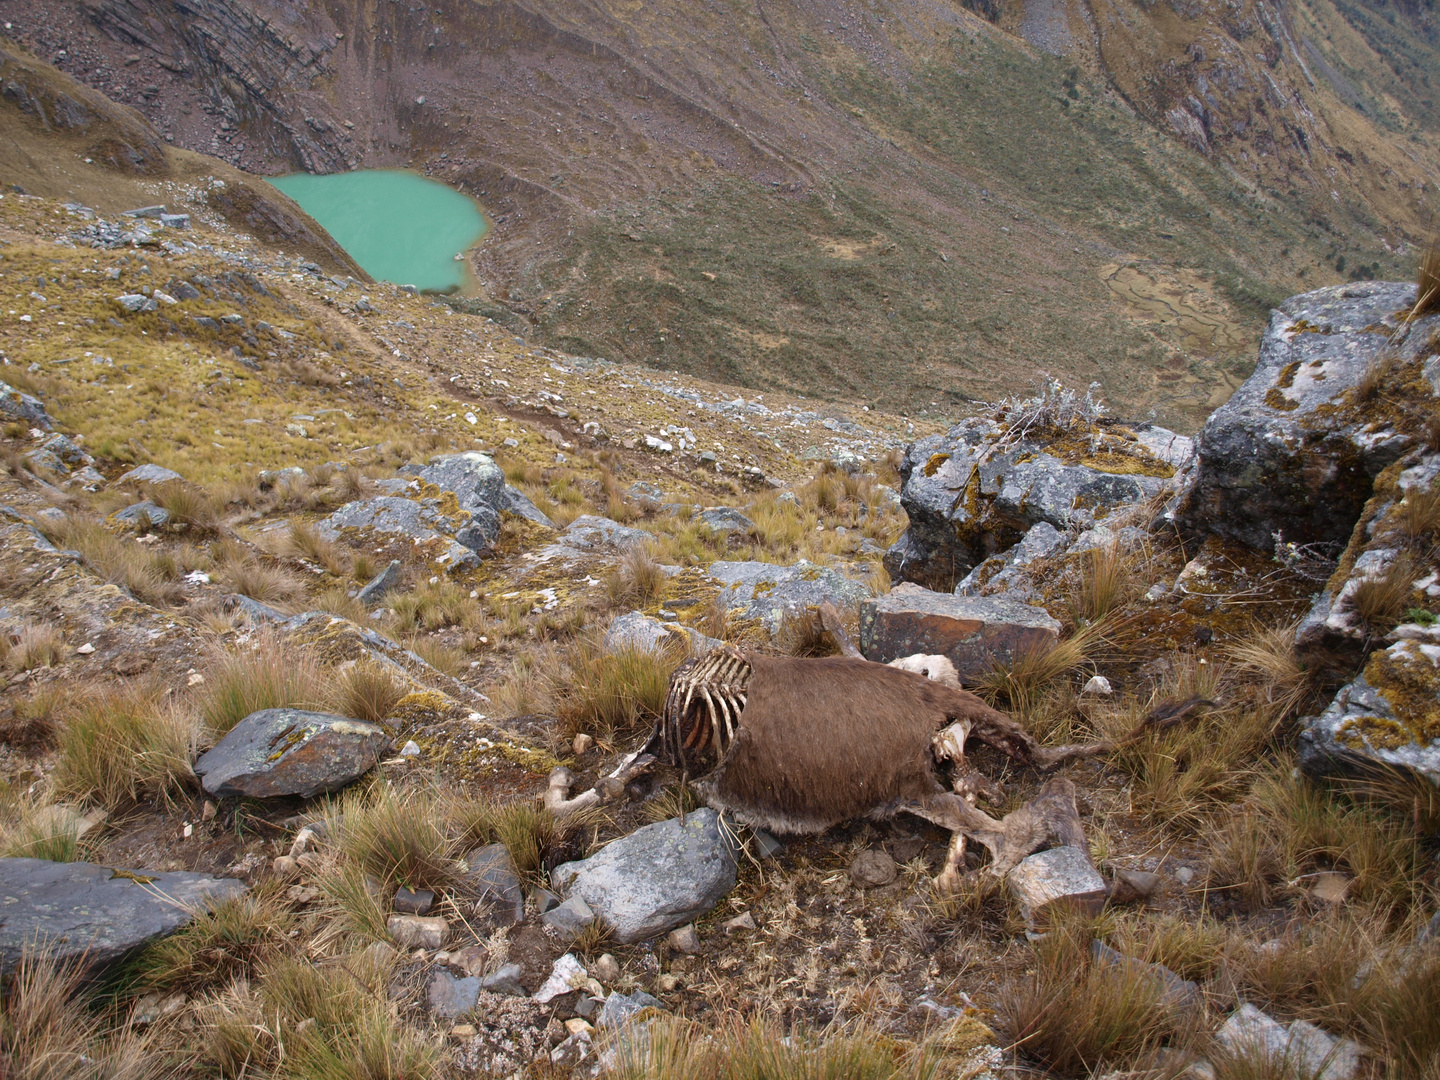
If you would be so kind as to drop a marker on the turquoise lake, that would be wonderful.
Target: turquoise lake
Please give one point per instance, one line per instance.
(398, 225)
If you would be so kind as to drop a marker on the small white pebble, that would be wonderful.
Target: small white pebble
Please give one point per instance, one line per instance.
(86, 649)
(410, 749)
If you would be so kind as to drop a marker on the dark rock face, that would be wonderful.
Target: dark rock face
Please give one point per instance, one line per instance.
(973, 631)
(657, 878)
(1283, 455)
(93, 914)
(291, 752)
(973, 492)
(491, 878)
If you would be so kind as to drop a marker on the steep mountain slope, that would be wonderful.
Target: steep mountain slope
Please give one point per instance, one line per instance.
(896, 203)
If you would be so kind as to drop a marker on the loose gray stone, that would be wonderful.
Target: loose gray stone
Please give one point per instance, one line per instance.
(277, 752)
(384, 582)
(456, 537)
(254, 610)
(974, 632)
(636, 630)
(92, 914)
(620, 1008)
(1279, 456)
(724, 519)
(1302, 1047)
(135, 302)
(768, 592)
(417, 931)
(413, 901)
(148, 474)
(589, 532)
(645, 492)
(1063, 874)
(505, 980)
(451, 997)
(491, 878)
(142, 513)
(20, 406)
(872, 868)
(175, 221)
(657, 878)
(569, 918)
(544, 899)
(144, 212)
(684, 940)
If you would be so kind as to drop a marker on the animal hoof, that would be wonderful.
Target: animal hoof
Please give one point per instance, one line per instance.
(947, 882)
(561, 777)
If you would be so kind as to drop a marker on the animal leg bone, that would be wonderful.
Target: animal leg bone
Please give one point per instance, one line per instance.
(948, 880)
(609, 787)
(1049, 818)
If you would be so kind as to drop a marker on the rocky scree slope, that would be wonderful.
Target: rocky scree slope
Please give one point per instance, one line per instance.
(273, 520)
(824, 199)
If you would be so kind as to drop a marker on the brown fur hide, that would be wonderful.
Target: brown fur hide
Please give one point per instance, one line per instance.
(824, 740)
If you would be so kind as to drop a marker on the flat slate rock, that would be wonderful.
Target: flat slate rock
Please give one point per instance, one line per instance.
(93, 914)
(973, 631)
(657, 878)
(277, 752)
(18, 405)
(149, 474)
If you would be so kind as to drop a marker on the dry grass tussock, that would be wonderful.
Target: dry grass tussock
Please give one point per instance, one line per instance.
(1080, 1017)
(307, 1021)
(224, 941)
(263, 673)
(736, 1050)
(1417, 518)
(1107, 578)
(34, 645)
(1022, 683)
(34, 722)
(444, 658)
(1380, 601)
(397, 839)
(610, 693)
(1427, 280)
(526, 828)
(1267, 660)
(48, 1031)
(365, 690)
(637, 580)
(433, 607)
(302, 541)
(187, 505)
(261, 581)
(116, 559)
(42, 830)
(119, 746)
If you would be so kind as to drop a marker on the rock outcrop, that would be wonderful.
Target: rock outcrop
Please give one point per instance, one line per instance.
(1293, 453)
(277, 752)
(769, 592)
(984, 485)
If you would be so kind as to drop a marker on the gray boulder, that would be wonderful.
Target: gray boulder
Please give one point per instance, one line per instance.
(58, 455)
(277, 752)
(657, 878)
(1003, 572)
(588, 532)
(1301, 1049)
(1385, 718)
(381, 584)
(619, 1009)
(1061, 875)
(141, 514)
(768, 592)
(136, 302)
(16, 405)
(519, 504)
(148, 474)
(973, 631)
(474, 478)
(636, 630)
(724, 519)
(490, 878)
(449, 536)
(1289, 453)
(979, 488)
(92, 914)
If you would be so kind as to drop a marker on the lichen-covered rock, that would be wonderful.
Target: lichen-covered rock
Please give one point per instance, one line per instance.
(148, 474)
(1063, 875)
(58, 455)
(1381, 548)
(768, 592)
(439, 523)
(636, 630)
(972, 631)
(473, 477)
(17, 405)
(142, 514)
(92, 915)
(1002, 572)
(722, 519)
(1292, 452)
(277, 752)
(1389, 716)
(657, 878)
(981, 487)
